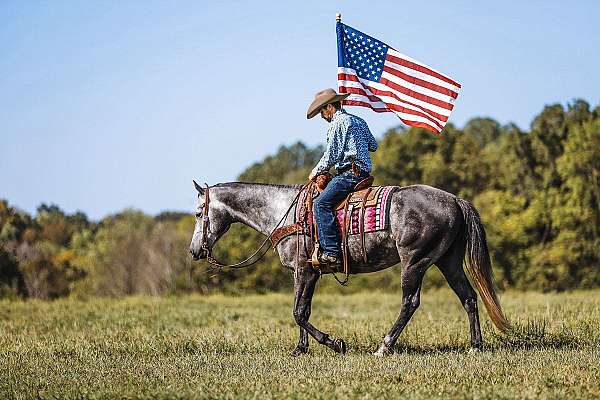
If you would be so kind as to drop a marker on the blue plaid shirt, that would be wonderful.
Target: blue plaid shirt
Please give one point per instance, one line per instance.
(348, 140)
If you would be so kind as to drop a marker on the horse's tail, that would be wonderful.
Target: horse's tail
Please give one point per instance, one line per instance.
(479, 264)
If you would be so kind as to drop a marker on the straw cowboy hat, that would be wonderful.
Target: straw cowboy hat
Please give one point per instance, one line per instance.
(323, 98)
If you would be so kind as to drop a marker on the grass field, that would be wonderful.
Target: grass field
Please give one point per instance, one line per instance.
(237, 347)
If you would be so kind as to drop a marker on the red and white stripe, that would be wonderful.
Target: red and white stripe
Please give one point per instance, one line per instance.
(419, 95)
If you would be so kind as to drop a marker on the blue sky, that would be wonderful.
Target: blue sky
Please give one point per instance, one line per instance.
(107, 105)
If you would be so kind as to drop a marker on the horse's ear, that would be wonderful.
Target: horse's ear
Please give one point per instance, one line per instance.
(199, 188)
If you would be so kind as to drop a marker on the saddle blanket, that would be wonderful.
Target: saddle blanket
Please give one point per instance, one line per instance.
(376, 212)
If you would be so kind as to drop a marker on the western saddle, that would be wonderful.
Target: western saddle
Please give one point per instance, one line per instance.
(361, 195)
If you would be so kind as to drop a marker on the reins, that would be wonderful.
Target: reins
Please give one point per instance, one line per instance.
(242, 264)
(217, 265)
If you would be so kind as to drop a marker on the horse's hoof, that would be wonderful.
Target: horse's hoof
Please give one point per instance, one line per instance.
(382, 351)
(474, 350)
(298, 351)
(339, 346)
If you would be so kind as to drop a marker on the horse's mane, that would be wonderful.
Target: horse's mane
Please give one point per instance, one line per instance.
(276, 185)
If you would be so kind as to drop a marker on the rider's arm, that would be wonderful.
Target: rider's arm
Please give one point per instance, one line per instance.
(371, 140)
(334, 151)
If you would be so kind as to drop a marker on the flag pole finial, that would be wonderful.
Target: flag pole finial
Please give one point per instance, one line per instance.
(338, 17)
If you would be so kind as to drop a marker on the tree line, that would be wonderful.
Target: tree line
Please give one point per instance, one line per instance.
(538, 193)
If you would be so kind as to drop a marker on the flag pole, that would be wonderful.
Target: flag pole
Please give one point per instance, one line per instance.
(338, 17)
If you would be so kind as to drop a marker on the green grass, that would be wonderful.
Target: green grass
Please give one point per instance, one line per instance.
(237, 347)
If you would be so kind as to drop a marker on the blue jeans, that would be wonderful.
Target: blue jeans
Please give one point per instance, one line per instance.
(336, 191)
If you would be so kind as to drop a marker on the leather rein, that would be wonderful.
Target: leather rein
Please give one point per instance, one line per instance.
(242, 264)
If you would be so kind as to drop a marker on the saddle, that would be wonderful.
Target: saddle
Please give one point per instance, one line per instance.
(362, 195)
(358, 197)
(358, 194)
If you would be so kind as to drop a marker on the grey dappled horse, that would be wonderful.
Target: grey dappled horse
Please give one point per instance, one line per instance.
(427, 226)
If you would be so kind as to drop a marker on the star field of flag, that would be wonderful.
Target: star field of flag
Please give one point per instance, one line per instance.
(363, 53)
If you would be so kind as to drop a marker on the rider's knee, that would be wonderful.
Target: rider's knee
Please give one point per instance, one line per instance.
(322, 204)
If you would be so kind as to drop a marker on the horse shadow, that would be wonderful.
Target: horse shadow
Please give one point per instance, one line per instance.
(529, 336)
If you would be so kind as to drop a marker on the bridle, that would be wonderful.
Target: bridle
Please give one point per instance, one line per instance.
(217, 265)
(242, 264)
(205, 222)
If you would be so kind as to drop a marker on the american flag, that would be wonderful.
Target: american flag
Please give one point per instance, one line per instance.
(385, 80)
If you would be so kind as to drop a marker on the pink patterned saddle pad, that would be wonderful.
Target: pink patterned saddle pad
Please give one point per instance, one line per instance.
(376, 213)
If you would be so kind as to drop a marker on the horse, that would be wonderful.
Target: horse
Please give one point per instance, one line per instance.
(427, 226)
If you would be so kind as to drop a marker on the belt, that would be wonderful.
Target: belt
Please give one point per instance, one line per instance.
(349, 168)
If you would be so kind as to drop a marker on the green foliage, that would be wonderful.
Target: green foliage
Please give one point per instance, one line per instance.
(11, 282)
(289, 165)
(37, 260)
(538, 193)
(133, 253)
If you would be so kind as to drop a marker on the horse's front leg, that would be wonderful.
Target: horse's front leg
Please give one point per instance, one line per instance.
(302, 346)
(305, 280)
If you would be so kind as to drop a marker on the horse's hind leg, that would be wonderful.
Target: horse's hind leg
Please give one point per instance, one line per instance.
(412, 277)
(451, 265)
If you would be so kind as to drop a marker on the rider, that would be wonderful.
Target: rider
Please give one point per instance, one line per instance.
(349, 141)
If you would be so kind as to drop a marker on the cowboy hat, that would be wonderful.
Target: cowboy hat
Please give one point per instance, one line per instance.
(323, 98)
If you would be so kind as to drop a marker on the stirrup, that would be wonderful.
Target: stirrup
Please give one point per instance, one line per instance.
(328, 260)
(314, 260)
